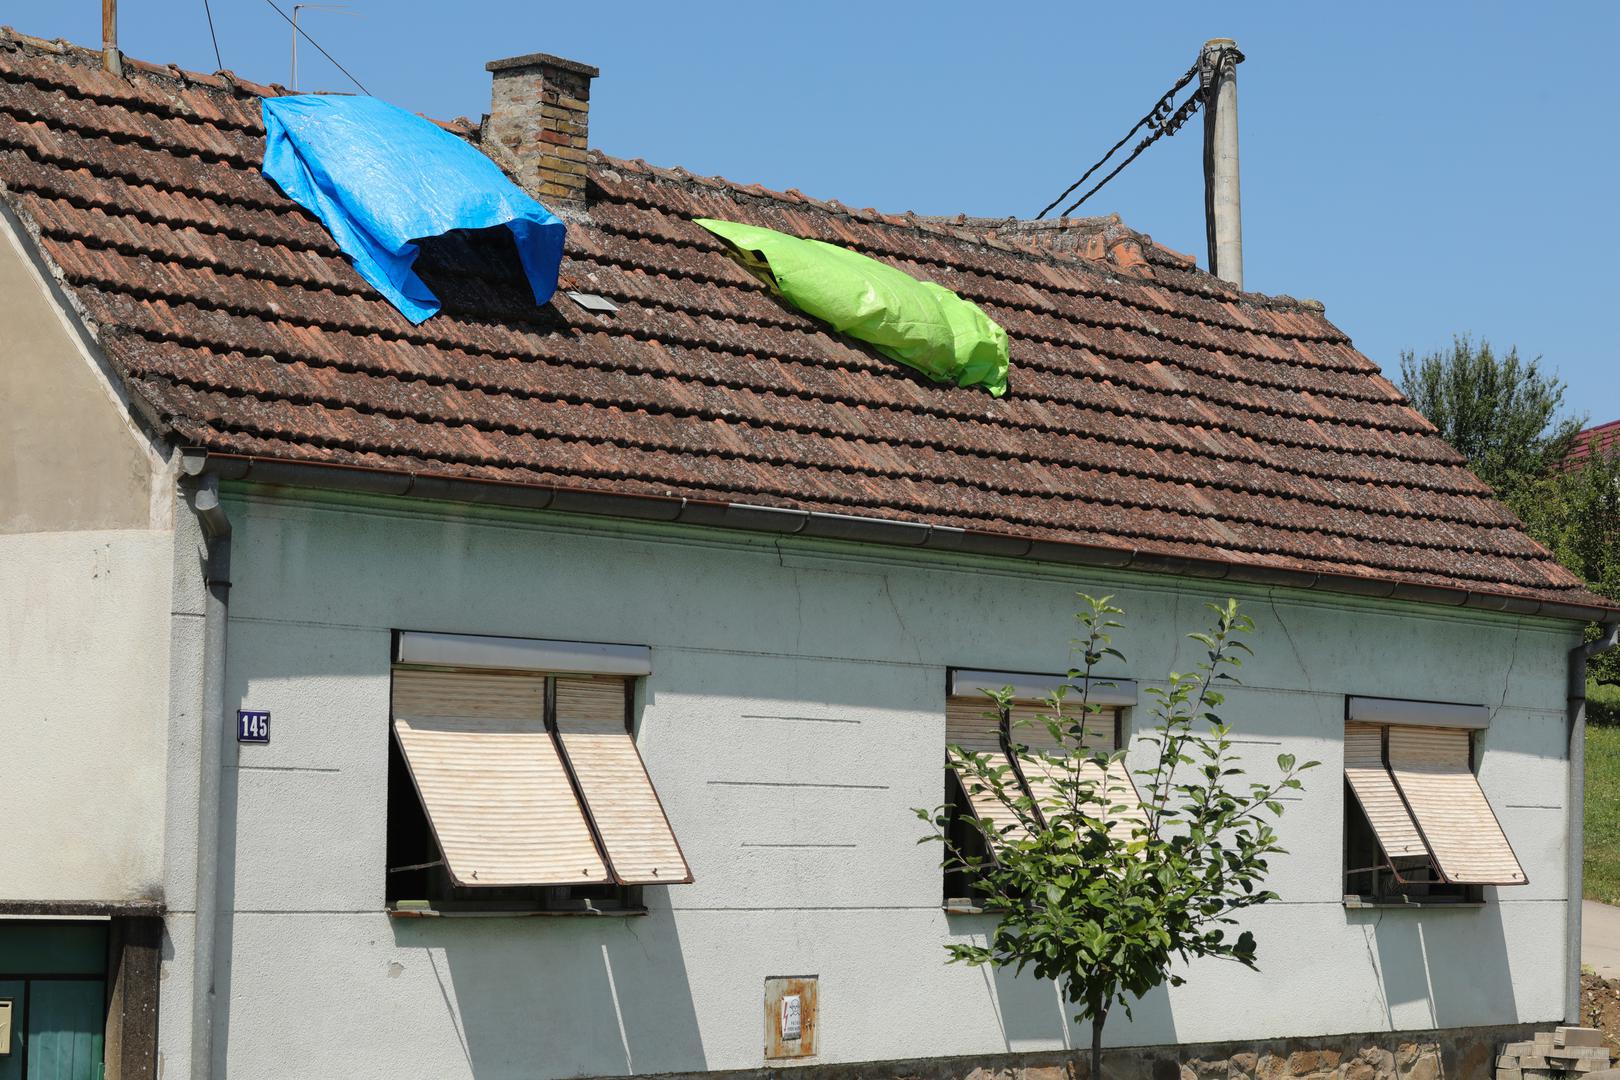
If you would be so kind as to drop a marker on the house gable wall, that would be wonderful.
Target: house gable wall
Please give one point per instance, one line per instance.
(70, 458)
(85, 561)
(795, 715)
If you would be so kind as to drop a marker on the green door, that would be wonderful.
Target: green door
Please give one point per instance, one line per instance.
(11, 1064)
(54, 974)
(67, 1021)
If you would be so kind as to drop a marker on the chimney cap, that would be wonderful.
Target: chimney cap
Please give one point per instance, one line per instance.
(543, 60)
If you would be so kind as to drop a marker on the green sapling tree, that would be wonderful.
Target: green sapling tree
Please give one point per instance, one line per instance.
(1100, 887)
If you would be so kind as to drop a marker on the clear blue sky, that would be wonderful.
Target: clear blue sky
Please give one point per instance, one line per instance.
(1422, 169)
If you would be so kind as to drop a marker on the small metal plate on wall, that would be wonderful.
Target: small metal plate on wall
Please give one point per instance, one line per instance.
(790, 1017)
(252, 726)
(600, 305)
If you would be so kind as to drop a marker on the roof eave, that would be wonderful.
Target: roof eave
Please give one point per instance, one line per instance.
(819, 524)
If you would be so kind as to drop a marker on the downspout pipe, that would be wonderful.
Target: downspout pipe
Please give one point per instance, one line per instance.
(216, 529)
(1579, 656)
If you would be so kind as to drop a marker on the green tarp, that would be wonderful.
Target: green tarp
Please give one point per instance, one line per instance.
(915, 322)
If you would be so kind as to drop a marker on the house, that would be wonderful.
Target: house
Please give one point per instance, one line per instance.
(1597, 439)
(677, 585)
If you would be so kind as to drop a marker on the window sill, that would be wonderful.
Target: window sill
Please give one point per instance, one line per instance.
(410, 910)
(961, 905)
(1356, 903)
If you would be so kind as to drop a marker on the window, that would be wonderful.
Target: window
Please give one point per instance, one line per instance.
(515, 783)
(972, 723)
(1418, 828)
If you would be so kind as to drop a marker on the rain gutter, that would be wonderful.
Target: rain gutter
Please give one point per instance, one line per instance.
(907, 534)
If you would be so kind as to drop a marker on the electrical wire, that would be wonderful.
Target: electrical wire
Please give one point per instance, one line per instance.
(317, 45)
(219, 65)
(1161, 119)
(1179, 117)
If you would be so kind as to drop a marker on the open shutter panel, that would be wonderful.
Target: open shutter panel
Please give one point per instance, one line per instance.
(1431, 768)
(491, 781)
(629, 818)
(1125, 812)
(1115, 782)
(1026, 727)
(972, 724)
(1375, 790)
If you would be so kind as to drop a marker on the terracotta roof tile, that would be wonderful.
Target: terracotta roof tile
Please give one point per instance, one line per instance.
(1598, 439)
(1153, 407)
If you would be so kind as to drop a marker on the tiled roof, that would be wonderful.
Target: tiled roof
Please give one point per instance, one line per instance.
(1598, 439)
(1153, 408)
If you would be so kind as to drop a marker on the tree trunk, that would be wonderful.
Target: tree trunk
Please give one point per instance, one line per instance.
(1098, 1018)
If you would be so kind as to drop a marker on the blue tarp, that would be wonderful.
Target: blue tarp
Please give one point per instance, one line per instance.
(380, 178)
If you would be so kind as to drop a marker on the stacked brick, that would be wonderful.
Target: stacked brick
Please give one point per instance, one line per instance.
(1566, 1052)
(540, 115)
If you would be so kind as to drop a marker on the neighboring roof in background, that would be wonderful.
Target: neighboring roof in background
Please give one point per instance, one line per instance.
(1157, 417)
(1598, 439)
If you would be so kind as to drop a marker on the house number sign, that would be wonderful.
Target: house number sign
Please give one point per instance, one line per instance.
(252, 727)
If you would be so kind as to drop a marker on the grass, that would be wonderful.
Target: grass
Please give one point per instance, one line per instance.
(1603, 801)
(1602, 703)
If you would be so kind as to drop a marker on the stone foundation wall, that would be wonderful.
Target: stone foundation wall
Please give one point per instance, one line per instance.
(1453, 1054)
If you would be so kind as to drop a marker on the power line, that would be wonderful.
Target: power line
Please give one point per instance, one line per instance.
(317, 45)
(1169, 127)
(1162, 120)
(219, 65)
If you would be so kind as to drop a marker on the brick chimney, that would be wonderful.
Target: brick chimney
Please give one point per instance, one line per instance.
(539, 117)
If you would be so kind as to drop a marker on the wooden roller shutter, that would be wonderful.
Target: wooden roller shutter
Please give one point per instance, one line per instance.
(641, 847)
(491, 781)
(1099, 736)
(972, 724)
(1375, 791)
(1025, 726)
(1432, 769)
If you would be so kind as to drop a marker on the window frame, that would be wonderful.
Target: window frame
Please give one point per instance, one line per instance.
(1119, 697)
(440, 895)
(1362, 853)
(408, 827)
(962, 893)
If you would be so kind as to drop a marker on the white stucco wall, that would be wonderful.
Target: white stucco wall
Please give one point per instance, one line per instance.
(85, 566)
(795, 715)
(83, 696)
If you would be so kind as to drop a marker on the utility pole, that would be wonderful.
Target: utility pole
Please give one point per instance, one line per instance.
(1223, 204)
(111, 58)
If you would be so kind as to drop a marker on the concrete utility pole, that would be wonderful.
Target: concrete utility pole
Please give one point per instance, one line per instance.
(111, 58)
(1223, 204)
